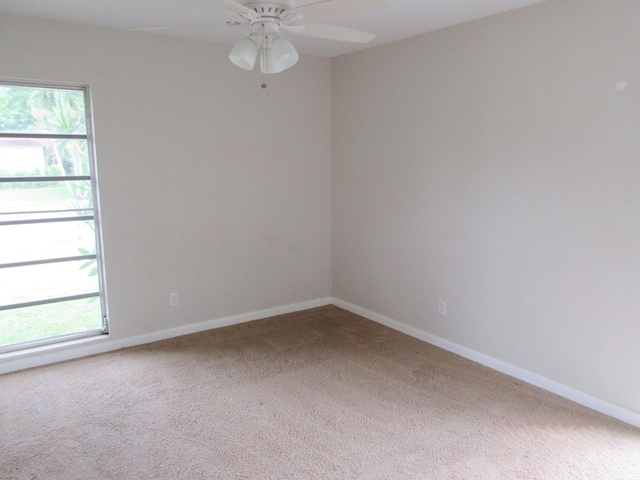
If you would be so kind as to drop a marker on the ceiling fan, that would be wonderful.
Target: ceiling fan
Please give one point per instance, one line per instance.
(267, 19)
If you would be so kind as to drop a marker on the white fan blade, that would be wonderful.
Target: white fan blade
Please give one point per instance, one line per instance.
(333, 32)
(183, 25)
(336, 8)
(236, 7)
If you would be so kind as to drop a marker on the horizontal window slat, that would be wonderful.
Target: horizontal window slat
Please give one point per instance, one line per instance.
(34, 212)
(48, 136)
(48, 220)
(49, 300)
(49, 260)
(64, 178)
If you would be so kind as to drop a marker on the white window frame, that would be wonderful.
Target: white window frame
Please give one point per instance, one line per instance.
(98, 256)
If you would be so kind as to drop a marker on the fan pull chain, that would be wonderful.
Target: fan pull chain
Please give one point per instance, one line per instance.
(264, 74)
(264, 62)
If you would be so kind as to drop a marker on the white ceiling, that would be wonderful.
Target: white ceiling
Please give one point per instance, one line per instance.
(402, 19)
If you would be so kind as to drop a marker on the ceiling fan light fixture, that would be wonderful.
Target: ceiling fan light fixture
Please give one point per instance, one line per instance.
(244, 53)
(267, 18)
(279, 56)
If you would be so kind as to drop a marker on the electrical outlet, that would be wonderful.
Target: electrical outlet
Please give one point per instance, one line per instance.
(174, 299)
(442, 308)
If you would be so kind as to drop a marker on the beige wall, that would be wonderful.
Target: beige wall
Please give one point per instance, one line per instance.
(208, 187)
(496, 165)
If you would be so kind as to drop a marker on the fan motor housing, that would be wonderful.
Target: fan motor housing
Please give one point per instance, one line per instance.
(264, 9)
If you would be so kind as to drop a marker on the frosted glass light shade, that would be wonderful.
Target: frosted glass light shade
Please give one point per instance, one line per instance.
(244, 54)
(280, 56)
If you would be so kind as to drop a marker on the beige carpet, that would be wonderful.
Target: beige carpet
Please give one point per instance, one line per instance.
(317, 394)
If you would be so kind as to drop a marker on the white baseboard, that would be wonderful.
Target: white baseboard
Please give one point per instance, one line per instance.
(589, 401)
(20, 360)
(49, 354)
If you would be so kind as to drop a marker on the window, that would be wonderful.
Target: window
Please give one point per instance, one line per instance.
(51, 281)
